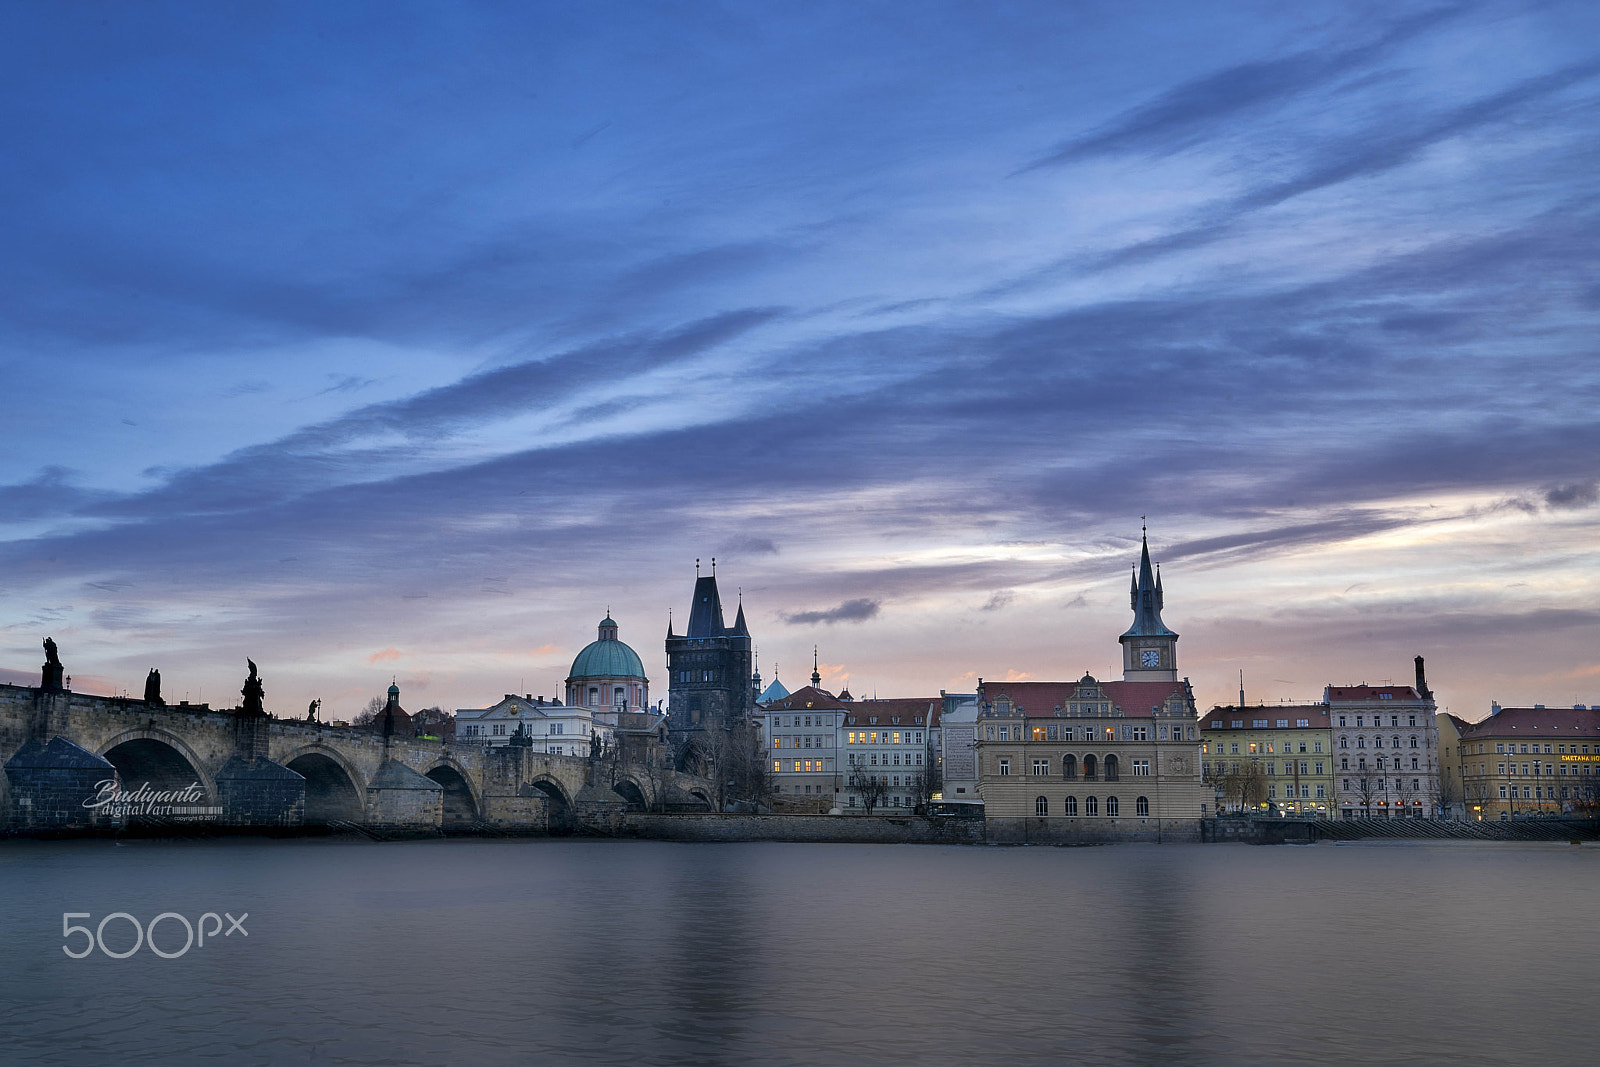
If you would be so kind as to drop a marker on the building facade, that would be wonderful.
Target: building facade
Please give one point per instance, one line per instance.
(802, 731)
(891, 740)
(1531, 761)
(550, 726)
(1387, 748)
(1092, 750)
(1274, 759)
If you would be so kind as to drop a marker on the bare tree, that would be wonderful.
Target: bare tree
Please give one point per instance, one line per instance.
(924, 784)
(369, 714)
(870, 786)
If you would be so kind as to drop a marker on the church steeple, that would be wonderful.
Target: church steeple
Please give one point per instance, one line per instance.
(1149, 649)
(816, 679)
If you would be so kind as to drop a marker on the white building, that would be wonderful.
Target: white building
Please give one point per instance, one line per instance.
(556, 728)
(1386, 750)
(802, 738)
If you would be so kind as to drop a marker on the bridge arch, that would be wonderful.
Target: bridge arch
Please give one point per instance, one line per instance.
(335, 790)
(561, 817)
(165, 760)
(631, 791)
(461, 804)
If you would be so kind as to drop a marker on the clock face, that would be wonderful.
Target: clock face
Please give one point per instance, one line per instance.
(1150, 657)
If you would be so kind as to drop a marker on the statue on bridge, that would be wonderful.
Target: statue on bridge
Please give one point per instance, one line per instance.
(253, 692)
(311, 711)
(52, 666)
(152, 688)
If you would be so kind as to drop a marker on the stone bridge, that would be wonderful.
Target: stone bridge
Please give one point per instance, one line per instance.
(58, 746)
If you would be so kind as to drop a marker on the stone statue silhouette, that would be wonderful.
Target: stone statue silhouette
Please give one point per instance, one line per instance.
(311, 711)
(253, 692)
(52, 669)
(152, 688)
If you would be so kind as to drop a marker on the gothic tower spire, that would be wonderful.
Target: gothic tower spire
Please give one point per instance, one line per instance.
(1149, 649)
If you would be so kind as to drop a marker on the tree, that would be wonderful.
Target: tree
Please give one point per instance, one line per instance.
(870, 786)
(924, 784)
(369, 714)
(1449, 792)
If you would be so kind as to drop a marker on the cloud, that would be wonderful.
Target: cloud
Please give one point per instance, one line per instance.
(858, 610)
(1002, 598)
(388, 655)
(748, 546)
(1577, 495)
(1200, 107)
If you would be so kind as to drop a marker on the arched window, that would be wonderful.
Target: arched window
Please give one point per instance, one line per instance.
(1111, 775)
(619, 695)
(1413, 741)
(594, 696)
(1069, 806)
(1088, 770)
(1069, 767)
(1112, 806)
(1361, 742)
(1091, 806)
(1041, 806)
(1141, 807)
(1344, 742)
(1394, 742)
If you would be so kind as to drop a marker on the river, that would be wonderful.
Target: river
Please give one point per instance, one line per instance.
(490, 952)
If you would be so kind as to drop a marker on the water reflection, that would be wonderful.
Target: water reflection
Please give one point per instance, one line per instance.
(629, 953)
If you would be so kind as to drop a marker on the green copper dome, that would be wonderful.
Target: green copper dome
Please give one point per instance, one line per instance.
(607, 657)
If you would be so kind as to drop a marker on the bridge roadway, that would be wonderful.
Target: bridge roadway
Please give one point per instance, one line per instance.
(350, 775)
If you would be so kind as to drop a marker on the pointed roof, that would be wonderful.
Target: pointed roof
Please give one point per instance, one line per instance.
(776, 691)
(705, 619)
(1146, 598)
(739, 628)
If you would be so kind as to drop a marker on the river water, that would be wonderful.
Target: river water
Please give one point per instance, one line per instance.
(607, 952)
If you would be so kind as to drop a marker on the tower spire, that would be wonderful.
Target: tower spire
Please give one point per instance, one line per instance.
(816, 678)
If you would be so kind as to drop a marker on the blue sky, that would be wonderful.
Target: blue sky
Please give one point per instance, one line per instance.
(372, 340)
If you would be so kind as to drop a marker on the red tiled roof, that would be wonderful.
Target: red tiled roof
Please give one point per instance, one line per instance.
(906, 709)
(1371, 692)
(1042, 698)
(808, 698)
(1523, 723)
(1224, 717)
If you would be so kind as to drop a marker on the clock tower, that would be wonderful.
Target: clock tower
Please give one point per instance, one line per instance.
(1149, 649)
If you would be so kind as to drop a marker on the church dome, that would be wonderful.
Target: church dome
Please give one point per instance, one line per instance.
(607, 657)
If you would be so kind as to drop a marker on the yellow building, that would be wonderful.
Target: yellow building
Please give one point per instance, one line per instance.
(1269, 758)
(1523, 762)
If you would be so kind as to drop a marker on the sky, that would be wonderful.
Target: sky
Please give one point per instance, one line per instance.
(391, 340)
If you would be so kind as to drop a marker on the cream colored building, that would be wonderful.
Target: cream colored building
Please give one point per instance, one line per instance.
(1521, 762)
(1107, 757)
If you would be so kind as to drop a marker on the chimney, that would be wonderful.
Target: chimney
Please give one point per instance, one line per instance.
(1494, 707)
(1422, 681)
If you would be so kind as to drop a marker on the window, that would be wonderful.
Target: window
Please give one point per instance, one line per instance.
(1111, 768)
(1038, 735)
(1235, 745)
(1283, 724)
(1316, 746)
(1005, 734)
(777, 766)
(1069, 806)
(1091, 806)
(1141, 807)
(1141, 768)
(1111, 805)
(1041, 806)
(1321, 792)
(1088, 768)
(1272, 767)
(797, 766)
(1305, 792)
(1258, 724)
(1041, 768)
(1302, 723)
(1005, 767)
(1069, 767)
(1141, 733)
(1066, 733)
(1413, 721)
